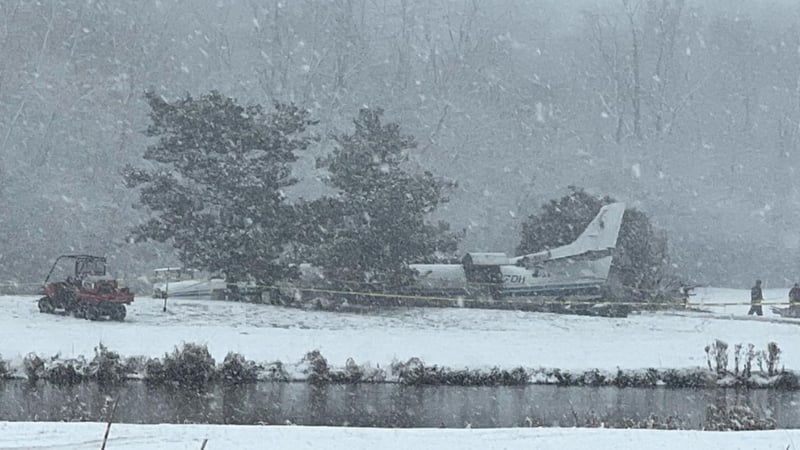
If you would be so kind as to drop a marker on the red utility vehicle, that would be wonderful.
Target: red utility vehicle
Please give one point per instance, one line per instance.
(90, 293)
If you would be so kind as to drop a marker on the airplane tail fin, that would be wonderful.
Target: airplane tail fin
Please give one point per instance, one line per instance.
(599, 236)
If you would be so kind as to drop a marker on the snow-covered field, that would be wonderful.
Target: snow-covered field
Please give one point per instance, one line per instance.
(456, 338)
(78, 436)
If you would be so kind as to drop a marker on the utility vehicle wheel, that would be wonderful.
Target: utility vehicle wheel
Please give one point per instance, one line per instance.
(117, 313)
(92, 312)
(78, 311)
(46, 305)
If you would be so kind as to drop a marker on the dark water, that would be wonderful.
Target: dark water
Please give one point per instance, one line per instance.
(384, 405)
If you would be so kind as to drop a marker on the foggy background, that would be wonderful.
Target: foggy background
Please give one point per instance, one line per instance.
(686, 110)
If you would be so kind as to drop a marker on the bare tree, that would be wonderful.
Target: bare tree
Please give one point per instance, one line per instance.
(654, 33)
(606, 43)
(666, 16)
(275, 42)
(635, 62)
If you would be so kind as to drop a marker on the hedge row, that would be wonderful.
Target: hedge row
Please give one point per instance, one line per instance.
(193, 365)
(189, 365)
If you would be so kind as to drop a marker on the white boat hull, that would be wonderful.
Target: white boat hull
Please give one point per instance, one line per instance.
(212, 288)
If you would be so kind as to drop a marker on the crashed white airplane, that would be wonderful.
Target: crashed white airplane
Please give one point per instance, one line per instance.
(575, 271)
(567, 279)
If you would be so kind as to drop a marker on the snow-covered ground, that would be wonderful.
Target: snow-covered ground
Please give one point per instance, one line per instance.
(49, 435)
(456, 338)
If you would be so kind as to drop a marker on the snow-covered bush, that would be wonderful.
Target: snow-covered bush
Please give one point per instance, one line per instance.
(106, 367)
(593, 378)
(773, 358)
(562, 378)
(65, 372)
(34, 367)
(191, 365)
(135, 366)
(624, 379)
(275, 371)
(316, 367)
(786, 380)
(745, 358)
(682, 378)
(373, 374)
(154, 371)
(237, 369)
(414, 372)
(736, 418)
(717, 357)
(768, 361)
(352, 373)
(357, 373)
(517, 376)
(400, 368)
(5, 372)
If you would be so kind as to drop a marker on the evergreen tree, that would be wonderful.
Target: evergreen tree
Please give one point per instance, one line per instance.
(377, 225)
(215, 186)
(641, 263)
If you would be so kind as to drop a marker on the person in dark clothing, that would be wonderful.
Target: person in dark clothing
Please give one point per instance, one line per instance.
(794, 298)
(756, 297)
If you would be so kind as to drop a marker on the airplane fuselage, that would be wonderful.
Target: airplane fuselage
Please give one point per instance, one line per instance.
(574, 280)
(576, 271)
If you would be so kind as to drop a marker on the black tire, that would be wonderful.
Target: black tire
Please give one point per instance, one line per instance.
(46, 305)
(91, 312)
(68, 302)
(117, 312)
(78, 311)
